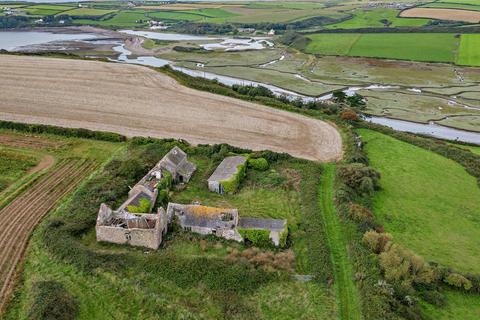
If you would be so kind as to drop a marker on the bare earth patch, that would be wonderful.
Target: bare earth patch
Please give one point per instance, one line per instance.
(138, 101)
(442, 14)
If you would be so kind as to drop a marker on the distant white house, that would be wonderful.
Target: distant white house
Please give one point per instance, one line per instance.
(271, 32)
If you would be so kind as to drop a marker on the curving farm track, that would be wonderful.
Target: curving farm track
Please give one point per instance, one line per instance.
(19, 218)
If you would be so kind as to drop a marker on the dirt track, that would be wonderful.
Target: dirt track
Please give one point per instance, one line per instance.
(134, 100)
(19, 218)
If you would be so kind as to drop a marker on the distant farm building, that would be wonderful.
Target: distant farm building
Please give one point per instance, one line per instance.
(177, 164)
(225, 172)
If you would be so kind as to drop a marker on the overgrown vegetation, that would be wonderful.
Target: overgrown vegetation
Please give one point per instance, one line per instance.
(52, 301)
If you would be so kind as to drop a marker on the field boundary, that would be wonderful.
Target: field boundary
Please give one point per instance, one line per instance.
(347, 293)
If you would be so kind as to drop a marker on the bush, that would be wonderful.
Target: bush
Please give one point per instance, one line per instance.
(361, 179)
(143, 206)
(376, 242)
(349, 115)
(163, 197)
(359, 213)
(52, 301)
(459, 281)
(435, 298)
(260, 164)
(166, 181)
(258, 238)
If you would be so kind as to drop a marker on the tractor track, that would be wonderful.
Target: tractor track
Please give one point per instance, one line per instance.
(19, 218)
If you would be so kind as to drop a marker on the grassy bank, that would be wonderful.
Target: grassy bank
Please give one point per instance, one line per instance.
(346, 290)
(429, 203)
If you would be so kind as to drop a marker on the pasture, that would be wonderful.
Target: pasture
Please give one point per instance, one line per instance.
(468, 53)
(89, 12)
(429, 203)
(460, 306)
(122, 19)
(402, 46)
(377, 18)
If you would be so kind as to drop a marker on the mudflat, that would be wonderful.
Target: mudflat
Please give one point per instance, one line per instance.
(138, 101)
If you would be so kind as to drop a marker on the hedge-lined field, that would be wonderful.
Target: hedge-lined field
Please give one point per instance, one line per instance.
(428, 202)
(435, 47)
(377, 18)
(468, 53)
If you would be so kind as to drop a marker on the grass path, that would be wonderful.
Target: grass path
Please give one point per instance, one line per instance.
(346, 290)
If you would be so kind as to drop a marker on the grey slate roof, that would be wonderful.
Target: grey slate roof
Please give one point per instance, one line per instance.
(176, 161)
(259, 223)
(227, 168)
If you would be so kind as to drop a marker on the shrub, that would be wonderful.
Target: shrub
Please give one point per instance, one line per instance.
(375, 241)
(404, 268)
(349, 115)
(459, 281)
(359, 213)
(260, 164)
(166, 181)
(258, 238)
(435, 298)
(363, 180)
(163, 197)
(52, 301)
(143, 206)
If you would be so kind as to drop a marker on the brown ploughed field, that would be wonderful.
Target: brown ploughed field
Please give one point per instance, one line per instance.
(19, 217)
(138, 101)
(442, 14)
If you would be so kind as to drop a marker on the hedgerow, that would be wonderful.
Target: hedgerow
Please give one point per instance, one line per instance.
(66, 132)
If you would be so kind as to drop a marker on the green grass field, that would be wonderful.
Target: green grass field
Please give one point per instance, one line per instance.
(460, 306)
(45, 9)
(471, 2)
(90, 12)
(123, 19)
(429, 203)
(14, 164)
(402, 46)
(377, 18)
(468, 53)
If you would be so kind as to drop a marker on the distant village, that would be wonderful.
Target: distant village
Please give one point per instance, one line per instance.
(133, 223)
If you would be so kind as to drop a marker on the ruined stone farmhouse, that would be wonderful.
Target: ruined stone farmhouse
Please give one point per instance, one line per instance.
(177, 164)
(222, 222)
(204, 220)
(132, 223)
(225, 171)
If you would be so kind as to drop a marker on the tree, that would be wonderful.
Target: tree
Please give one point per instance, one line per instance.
(377, 242)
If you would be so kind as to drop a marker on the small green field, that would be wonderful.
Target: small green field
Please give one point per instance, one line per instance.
(90, 12)
(470, 2)
(402, 46)
(460, 306)
(469, 53)
(123, 19)
(45, 10)
(377, 18)
(429, 203)
(14, 164)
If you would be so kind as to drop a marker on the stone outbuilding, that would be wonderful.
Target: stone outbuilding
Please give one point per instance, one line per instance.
(277, 227)
(176, 162)
(220, 222)
(146, 230)
(225, 171)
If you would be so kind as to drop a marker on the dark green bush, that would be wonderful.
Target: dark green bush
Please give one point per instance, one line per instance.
(51, 301)
(260, 164)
